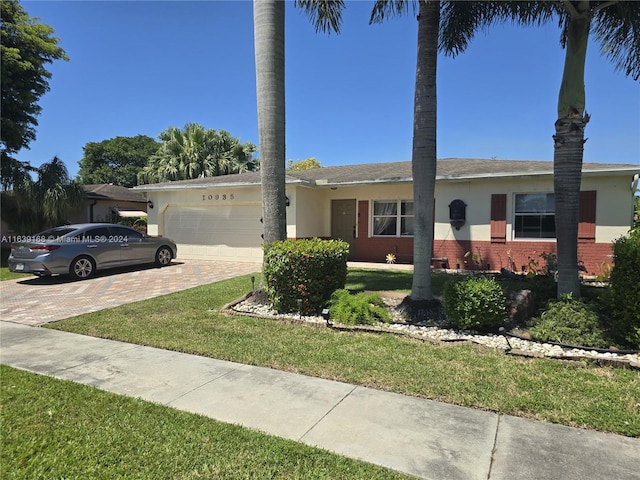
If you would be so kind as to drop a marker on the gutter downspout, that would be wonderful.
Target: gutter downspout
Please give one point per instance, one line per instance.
(95, 201)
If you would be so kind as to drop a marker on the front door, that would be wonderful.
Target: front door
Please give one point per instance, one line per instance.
(343, 222)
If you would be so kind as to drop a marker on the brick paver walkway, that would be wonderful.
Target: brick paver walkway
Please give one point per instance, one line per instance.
(35, 301)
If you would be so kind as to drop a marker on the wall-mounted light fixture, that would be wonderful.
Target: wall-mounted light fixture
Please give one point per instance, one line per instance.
(457, 213)
(150, 204)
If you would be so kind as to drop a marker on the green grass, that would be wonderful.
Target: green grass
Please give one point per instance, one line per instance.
(391, 280)
(57, 429)
(5, 274)
(582, 395)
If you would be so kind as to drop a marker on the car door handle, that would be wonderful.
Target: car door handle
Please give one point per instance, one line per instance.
(92, 246)
(124, 244)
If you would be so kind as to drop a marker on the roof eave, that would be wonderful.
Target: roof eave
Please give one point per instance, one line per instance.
(205, 186)
(359, 183)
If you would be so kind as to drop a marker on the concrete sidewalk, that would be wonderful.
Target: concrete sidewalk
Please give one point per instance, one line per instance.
(420, 437)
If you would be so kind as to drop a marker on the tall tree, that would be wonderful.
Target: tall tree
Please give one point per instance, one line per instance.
(307, 164)
(458, 20)
(27, 46)
(116, 160)
(14, 172)
(424, 151)
(195, 151)
(268, 26)
(616, 25)
(51, 200)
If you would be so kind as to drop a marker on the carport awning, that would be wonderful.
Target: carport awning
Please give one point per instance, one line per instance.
(130, 213)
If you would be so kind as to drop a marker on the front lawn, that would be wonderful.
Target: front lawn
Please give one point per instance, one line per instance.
(58, 429)
(582, 394)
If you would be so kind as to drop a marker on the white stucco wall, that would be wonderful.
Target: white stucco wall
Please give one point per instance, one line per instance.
(307, 216)
(614, 205)
(309, 213)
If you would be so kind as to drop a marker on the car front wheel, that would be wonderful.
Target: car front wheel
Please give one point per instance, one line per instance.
(82, 268)
(163, 256)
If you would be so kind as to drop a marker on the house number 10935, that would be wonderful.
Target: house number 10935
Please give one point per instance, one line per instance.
(218, 196)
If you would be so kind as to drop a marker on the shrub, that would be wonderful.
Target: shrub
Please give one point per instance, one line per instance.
(623, 301)
(362, 308)
(569, 321)
(474, 303)
(308, 271)
(544, 289)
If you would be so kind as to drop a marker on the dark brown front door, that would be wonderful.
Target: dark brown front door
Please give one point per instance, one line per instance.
(343, 222)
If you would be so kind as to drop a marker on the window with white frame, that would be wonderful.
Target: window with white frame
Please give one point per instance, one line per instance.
(535, 215)
(393, 218)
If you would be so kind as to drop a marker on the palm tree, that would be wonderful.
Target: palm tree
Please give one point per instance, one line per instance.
(13, 172)
(449, 33)
(268, 25)
(49, 201)
(230, 156)
(194, 152)
(326, 16)
(424, 152)
(616, 25)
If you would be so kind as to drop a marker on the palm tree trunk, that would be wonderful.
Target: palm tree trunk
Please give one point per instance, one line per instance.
(568, 150)
(424, 152)
(268, 24)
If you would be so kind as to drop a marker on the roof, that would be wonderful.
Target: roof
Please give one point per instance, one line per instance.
(394, 172)
(107, 191)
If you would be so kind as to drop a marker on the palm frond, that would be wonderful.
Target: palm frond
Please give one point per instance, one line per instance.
(617, 28)
(389, 8)
(325, 15)
(459, 21)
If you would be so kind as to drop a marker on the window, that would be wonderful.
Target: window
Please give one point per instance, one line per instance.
(535, 215)
(127, 233)
(98, 234)
(393, 218)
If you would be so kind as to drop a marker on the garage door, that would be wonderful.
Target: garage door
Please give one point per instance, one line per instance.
(216, 231)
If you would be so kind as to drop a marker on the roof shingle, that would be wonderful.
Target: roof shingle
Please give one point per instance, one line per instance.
(390, 172)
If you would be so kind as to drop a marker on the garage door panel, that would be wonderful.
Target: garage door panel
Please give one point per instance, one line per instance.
(231, 225)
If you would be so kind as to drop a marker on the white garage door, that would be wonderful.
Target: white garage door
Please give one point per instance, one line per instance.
(230, 232)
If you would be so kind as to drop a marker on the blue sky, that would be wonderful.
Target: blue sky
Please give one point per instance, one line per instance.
(140, 67)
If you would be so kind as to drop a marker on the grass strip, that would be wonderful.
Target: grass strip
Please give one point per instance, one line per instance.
(574, 394)
(58, 429)
(5, 274)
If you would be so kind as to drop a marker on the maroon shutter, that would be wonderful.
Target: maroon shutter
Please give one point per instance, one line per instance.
(499, 218)
(363, 219)
(587, 221)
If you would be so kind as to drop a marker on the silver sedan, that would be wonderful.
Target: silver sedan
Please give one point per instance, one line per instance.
(80, 250)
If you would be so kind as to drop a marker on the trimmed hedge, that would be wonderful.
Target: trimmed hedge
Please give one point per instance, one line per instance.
(624, 299)
(475, 303)
(301, 275)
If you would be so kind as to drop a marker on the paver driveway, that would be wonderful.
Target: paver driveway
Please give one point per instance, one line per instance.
(35, 301)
